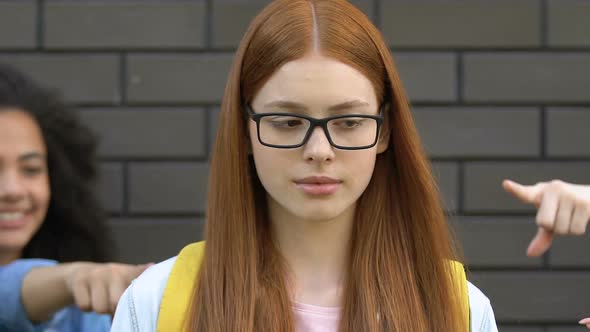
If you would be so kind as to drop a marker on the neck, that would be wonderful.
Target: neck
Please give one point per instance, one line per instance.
(316, 252)
(7, 257)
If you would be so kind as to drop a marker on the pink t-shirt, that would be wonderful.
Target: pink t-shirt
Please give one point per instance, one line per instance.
(312, 318)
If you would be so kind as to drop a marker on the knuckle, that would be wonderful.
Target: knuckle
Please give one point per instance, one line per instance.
(101, 310)
(584, 207)
(545, 223)
(83, 304)
(556, 185)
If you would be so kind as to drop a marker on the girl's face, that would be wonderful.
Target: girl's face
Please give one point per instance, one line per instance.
(24, 182)
(315, 182)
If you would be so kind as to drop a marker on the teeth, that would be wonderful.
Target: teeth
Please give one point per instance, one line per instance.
(9, 216)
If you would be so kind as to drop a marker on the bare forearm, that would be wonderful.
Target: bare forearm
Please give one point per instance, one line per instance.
(44, 291)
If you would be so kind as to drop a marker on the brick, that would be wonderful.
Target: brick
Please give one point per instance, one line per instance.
(568, 23)
(154, 239)
(479, 132)
(171, 78)
(366, 6)
(83, 78)
(536, 296)
(428, 77)
(496, 241)
(573, 328)
(567, 132)
(71, 24)
(110, 186)
(508, 328)
(447, 176)
(571, 251)
(526, 77)
(230, 18)
(483, 190)
(18, 27)
(149, 133)
(461, 23)
(167, 187)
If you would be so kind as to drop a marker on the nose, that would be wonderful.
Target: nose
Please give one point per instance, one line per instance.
(318, 147)
(11, 186)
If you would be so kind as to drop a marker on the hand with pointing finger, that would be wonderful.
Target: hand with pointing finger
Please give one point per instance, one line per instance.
(563, 208)
(98, 286)
(90, 286)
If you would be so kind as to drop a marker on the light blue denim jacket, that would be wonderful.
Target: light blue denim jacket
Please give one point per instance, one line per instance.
(12, 312)
(140, 304)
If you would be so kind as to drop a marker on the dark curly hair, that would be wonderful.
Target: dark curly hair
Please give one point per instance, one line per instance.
(75, 227)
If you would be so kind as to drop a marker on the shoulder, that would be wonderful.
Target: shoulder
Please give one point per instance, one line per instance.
(482, 315)
(139, 305)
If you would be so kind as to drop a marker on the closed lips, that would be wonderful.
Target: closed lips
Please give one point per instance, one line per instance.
(317, 180)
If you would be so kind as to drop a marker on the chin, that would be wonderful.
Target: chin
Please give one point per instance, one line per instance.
(319, 214)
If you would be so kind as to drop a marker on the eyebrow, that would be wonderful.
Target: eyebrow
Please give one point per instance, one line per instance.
(298, 106)
(31, 156)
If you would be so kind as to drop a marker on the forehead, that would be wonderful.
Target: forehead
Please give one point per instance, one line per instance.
(316, 81)
(19, 134)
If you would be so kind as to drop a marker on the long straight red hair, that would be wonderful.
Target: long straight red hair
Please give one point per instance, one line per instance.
(398, 276)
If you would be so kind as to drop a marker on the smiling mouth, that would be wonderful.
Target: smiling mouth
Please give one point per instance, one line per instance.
(12, 220)
(10, 216)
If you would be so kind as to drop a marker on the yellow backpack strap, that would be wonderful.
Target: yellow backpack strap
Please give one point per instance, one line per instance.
(178, 291)
(461, 283)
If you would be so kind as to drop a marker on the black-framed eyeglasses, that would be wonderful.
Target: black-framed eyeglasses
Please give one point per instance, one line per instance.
(288, 130)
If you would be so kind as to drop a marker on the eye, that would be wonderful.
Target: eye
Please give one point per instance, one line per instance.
(286, 122)
(349, 123)
(32, 170)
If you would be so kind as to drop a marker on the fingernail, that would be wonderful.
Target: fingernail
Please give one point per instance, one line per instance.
(584, 321)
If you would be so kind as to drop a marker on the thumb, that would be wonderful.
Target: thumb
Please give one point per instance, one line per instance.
(526, 194)
(585, 321)
(540, 243)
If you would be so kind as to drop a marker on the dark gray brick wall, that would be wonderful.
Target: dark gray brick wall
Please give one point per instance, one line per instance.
(167, 187)
(461, 23)
(428, 77)
(527, 77)
(87, 78)
(508, 328)
(149, 133)
(567, 132)
(451, 132)
(18, 24)
(154, 239)
(76, 24)
(111, 186)
(533, 296)
(172, 79)
(568, 23)
(499, 89)
(563, 252)
(493, 242)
